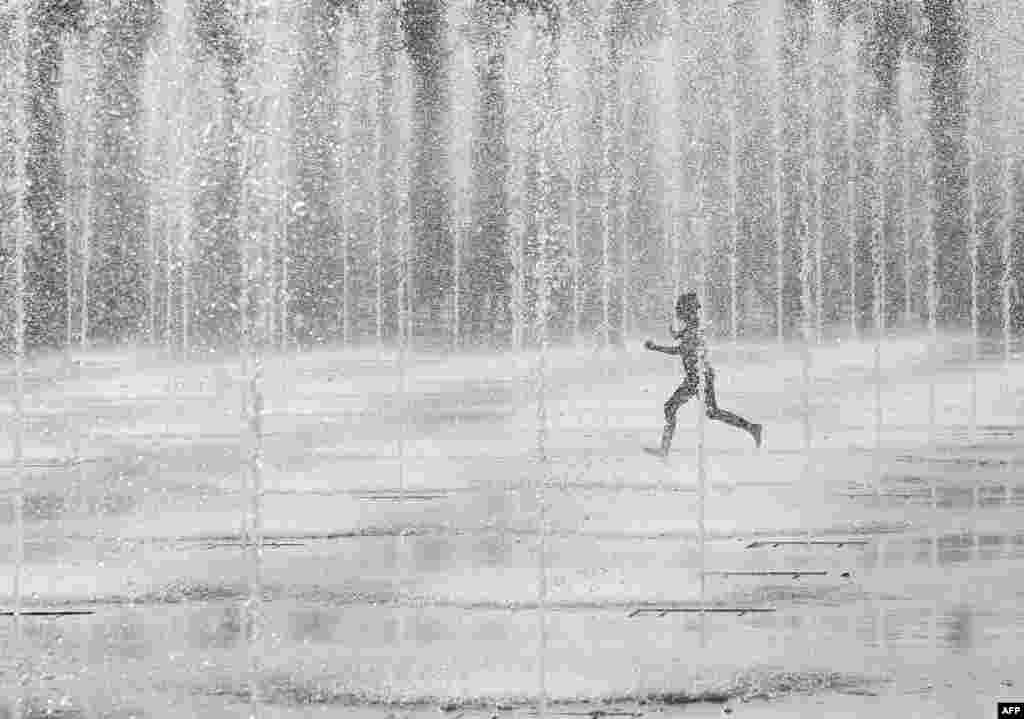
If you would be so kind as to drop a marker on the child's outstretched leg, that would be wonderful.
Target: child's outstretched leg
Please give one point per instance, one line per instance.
(733, 420)
(677, 400)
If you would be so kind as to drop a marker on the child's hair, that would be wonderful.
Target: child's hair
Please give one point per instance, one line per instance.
(687, 304)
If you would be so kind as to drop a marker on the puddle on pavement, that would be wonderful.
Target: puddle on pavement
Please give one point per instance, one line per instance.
(420, 640)
(944, 549)
(51, 506)
(472, 402)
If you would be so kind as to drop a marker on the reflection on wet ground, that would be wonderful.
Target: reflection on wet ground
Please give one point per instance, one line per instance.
(940, 550)
(388, 610)
(593, 653)
(938, 492)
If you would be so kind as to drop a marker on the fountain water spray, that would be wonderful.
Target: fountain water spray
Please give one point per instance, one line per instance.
(817, 136)
(278, 210)
(185, 248)
(395, 72)
(573, 163)
(623, 126)
(86, 211)
(906, 169)
(677, 154)
(378, 226)
(932, 291)
(671, 223)
(779, 139)
(850, 204)
(458, 240)
(251, 536)
(973, 201)
(19, 229)
(878, 261)
(462, 221)
(403, 355)
(285, 214)
(186, 138)
(805, 227)
(385, 141)
(346, 251)
(973, 22)
(256, 301)
(550, 115)
(75, 138)
(733, 70)
(73, 95)
(154, 159)
(1006, 227)
(462, 172)
(704, 218)
(351, 84)
(519, 156)
(610, 103)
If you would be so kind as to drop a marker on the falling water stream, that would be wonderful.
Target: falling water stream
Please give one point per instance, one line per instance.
(878, 255)
(850, 184)
(778, 197)
(732, 100)
(19, 227)
(973, 143)
(816, 130)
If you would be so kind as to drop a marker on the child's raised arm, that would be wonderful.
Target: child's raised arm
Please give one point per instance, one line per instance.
(669, 349)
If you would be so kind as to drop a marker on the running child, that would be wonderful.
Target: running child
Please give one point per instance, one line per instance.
(691, 349)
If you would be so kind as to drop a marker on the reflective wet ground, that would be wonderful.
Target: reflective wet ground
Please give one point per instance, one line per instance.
(403, 559)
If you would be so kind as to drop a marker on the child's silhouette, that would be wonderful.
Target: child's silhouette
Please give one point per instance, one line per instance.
(692, 350)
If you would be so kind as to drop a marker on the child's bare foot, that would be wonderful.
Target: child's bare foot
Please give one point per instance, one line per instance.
(757, 431)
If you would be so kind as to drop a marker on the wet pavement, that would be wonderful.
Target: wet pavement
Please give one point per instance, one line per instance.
(403, 557)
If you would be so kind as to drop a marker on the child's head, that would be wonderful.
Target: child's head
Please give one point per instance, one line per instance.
(687, 306)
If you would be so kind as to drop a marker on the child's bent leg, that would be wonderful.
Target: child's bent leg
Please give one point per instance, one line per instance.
(721, 415)
(677, 400)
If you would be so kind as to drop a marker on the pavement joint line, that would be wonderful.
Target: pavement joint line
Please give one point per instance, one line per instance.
(885, 494)
(796, 574)
(262, 544)
(662, 611)
(52, 463)
(47, 612)
(757, 543)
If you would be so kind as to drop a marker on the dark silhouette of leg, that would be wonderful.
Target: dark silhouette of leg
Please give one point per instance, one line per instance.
(680, 397)
(716, 413)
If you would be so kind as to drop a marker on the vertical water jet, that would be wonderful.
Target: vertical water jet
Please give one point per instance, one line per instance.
(573, 162)
(627, 175)
(425, 31)
(778, 138)
(973, 146)
(932, 280)
(609, 106)
(733, 85)
(817, 136)
(1009, 138)
(903, 106)
(878, 264)
(548, 118)
(850, 183)
(18, 49)
(806, 209)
